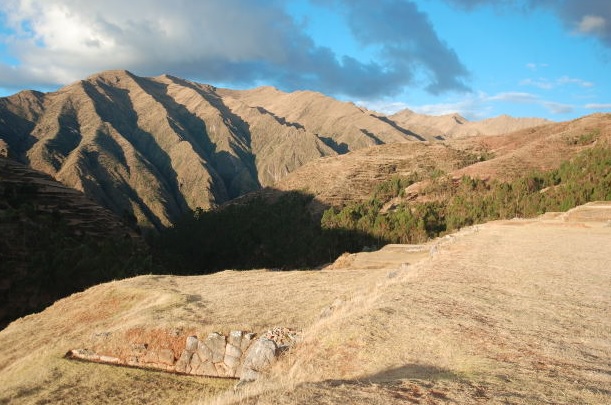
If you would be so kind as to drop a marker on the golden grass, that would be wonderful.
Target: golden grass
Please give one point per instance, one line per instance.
(504, 315)
(70, 382)
(498, 314)
(148, 309)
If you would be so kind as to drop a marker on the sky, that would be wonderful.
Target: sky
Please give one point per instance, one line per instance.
(478, 58)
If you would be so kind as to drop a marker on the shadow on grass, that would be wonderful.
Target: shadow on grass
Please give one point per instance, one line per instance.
(413, 371)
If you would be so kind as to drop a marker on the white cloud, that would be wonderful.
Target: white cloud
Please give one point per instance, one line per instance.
(535, 66)
(547, 84)
(590, 24)
(242, 42)
(386, 107)
(541, 83)
(598, 106)
(482, 105)
(572, 80)
(75, 39)
(588, 17)
(529, 98)
(472, 108)
(557, 108)
(515, 97)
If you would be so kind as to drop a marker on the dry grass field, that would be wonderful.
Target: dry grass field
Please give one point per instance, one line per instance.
(510, 312)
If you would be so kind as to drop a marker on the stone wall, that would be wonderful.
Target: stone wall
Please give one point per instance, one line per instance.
(240, 354)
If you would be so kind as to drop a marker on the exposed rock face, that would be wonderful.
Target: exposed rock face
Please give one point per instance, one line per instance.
(238, 355)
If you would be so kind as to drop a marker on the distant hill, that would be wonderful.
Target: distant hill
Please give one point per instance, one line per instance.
(454, 125)
(155, 148)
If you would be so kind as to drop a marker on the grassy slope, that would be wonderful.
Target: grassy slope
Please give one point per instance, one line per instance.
(515, 312)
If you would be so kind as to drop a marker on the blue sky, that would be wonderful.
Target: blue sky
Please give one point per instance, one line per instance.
(480, 58)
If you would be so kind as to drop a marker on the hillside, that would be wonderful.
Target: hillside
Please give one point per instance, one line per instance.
(506, 312)
(351, 177)
(158, 147)
(338, 180)
(56, 241)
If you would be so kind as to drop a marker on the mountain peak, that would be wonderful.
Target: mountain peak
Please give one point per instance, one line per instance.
(459, 119)
(111, 76)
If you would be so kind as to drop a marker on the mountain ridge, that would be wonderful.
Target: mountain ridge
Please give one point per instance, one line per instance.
(454, 125)
(158, 147)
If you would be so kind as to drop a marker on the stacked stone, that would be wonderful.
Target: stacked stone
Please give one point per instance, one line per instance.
(217, 355)
(234, 356)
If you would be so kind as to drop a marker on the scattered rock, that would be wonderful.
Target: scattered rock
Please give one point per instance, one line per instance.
(183, 361)
(233, 351)
(204, 352)
(191, 345)
(235, 337)
(247, 339)
(166, 356)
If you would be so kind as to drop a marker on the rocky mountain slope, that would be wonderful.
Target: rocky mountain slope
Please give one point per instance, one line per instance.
(157, 147)
(506, 312)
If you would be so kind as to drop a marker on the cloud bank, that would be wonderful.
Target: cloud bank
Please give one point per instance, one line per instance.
(244, 42)
(586, 17)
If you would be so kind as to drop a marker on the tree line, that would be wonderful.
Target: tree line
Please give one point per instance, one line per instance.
(456, 203)
(283, 233)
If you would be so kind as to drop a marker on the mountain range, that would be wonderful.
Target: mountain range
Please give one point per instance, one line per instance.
(155, 148)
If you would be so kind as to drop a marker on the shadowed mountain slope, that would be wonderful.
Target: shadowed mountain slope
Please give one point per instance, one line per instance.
(55, 241)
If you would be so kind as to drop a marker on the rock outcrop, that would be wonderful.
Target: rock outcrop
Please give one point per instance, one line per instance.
(240, 354)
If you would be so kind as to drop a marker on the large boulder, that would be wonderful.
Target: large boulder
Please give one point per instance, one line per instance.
(260, 357)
